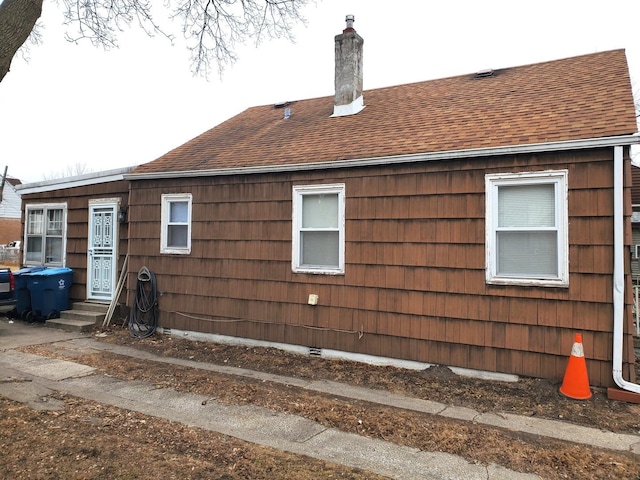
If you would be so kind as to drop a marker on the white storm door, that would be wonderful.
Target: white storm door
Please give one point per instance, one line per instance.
(102, 251)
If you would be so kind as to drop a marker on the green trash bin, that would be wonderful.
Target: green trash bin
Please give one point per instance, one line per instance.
(49, 291)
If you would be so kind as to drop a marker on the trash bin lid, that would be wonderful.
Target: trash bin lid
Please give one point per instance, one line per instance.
(26, 270)
(51, 271)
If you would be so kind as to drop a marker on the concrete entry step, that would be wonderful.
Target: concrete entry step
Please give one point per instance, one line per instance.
(83, 317)
(90, 307)
(70, 324)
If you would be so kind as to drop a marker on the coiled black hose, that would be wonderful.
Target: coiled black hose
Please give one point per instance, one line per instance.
(144, 315)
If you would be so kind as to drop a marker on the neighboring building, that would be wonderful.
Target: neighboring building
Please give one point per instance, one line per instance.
(477, 221)
(635, 223)
(79, 222)
(9, 211)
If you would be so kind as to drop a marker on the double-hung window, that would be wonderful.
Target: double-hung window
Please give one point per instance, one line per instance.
(175, 236)
(45, 234)
(527, 228)
(318, 229)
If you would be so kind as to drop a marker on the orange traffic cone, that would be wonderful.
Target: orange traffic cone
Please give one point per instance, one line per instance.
(576, 380)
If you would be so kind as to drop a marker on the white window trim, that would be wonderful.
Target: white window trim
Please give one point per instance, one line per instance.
(492, 182)
(298, 193)
(636, 251)
(45, 207)
(167, 198)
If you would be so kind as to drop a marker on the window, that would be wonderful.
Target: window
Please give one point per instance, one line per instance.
(527, 229)
(45, 234)
(318, 229)
(175, 236)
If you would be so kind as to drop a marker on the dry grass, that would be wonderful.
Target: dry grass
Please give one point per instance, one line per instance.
(477, 443)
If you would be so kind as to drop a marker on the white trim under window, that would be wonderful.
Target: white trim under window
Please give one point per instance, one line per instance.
(45, 234)
(318, 229)
(527, 241)
(175, 233)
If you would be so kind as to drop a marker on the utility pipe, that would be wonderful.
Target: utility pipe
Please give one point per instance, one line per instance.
(618, 271)
(4, 179)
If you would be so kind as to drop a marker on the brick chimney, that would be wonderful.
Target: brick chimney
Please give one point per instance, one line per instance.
(348, 99)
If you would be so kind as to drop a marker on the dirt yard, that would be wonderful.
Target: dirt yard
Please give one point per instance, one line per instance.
(89, 440)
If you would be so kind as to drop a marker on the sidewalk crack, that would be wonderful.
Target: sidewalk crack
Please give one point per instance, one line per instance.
(15, 380)
(314, 435)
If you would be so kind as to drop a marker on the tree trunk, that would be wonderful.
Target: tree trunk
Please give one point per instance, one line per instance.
(17, 18)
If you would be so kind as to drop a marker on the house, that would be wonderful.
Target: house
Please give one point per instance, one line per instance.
(477, 221)
(79, 222)
(9, 210)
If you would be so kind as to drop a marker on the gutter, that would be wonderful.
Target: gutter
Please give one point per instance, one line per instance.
(618, 271)
(399, 159)
(75, 181)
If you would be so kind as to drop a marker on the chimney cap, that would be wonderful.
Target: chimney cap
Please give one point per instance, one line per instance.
(350, 19)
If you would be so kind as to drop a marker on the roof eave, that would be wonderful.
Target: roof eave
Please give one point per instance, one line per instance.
(87, 179)
(620, 140)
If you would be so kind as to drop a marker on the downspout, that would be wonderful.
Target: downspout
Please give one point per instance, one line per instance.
(618, 271)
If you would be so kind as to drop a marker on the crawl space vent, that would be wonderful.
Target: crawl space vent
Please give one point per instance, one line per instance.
(315, 352)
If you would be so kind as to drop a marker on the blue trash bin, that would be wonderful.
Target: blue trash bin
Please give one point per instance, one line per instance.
(49, 292)
(21, 291)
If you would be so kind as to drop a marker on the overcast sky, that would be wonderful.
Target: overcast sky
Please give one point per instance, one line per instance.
(75, 104)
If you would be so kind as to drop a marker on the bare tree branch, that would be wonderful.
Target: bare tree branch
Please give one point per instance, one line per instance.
(211, 28)
(100, 21)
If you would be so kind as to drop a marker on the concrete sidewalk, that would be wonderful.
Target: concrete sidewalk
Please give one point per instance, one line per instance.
(31, 379)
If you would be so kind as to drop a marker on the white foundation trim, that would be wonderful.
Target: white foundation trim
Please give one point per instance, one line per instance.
(332, 354)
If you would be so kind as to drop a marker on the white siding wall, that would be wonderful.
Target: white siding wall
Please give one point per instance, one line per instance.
(10, 205)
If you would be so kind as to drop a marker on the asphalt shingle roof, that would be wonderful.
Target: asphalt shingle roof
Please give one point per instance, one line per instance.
(582, 97)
